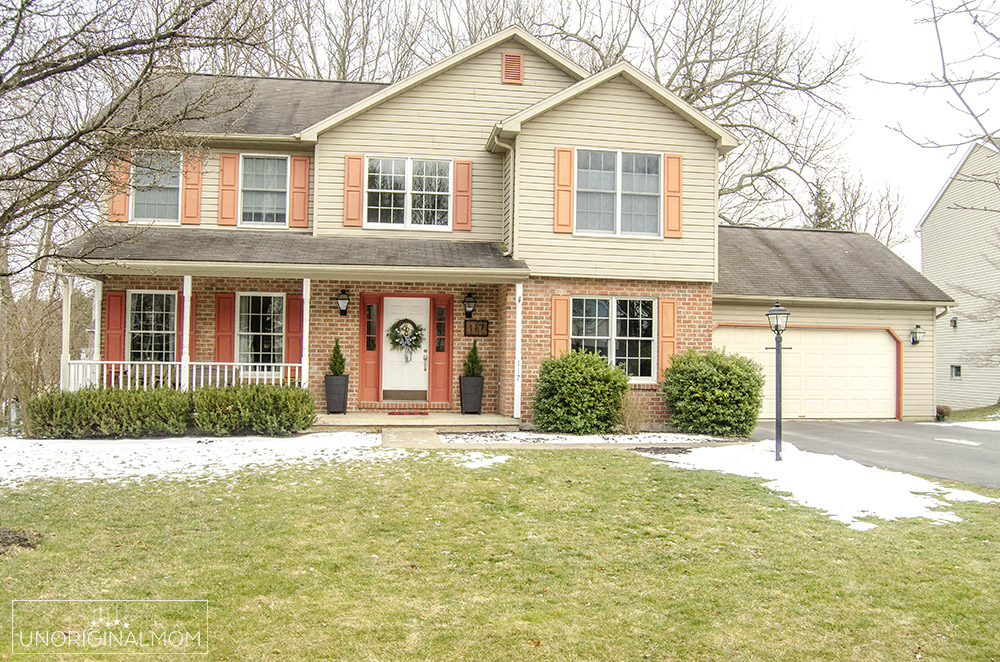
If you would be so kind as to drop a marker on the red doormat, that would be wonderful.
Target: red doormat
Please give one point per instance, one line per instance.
(408, 413)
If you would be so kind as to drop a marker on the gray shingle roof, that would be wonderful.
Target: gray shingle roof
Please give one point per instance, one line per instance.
(813, 263)
(124, 243)
(281, 106)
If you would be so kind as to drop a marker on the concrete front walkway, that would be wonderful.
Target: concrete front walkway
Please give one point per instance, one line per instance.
(365, 421)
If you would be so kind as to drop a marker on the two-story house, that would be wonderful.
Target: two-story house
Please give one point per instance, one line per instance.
(960, 246)
(502, 195)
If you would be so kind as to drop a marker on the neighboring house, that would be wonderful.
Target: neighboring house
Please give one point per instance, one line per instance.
(960, 244)
(502, 195)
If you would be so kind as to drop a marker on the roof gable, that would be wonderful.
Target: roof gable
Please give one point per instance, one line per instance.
(511, 126)
(959, 167)
(311, 133)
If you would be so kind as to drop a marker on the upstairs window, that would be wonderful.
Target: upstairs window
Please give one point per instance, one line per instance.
(407, 192)
(152, 324)
(618, 193)
(264, 190)
(156, 187)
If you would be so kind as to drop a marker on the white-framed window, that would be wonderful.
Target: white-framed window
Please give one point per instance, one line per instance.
(622, 329)
(404, 192)
(260, 328)
(956, 372)
(619, 192)
(264, 190)
(152, 325)
(156, 187)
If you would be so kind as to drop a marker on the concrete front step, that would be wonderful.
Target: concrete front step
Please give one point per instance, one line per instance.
(370, 421)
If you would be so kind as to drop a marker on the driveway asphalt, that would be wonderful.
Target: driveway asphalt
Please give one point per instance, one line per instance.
(941, 450)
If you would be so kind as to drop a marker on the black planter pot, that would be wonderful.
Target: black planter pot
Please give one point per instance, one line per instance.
(471, 390)
(336, 393)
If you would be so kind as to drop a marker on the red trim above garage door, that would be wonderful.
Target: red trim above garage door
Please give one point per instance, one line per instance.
(896, 338)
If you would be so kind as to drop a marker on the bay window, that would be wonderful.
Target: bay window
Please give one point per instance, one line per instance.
(618, 193)
(619, 329)
(408, 192)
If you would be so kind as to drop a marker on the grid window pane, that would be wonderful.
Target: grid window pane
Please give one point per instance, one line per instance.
(264, 192)
(595, 191)
(156, 188)
(386, 191)
(261, 329)
(589, 325)
(640, 193)
(152, 326)
(634, 336)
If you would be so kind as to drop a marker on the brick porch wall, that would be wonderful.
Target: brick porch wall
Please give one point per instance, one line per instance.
(694, 327)
(326, 323)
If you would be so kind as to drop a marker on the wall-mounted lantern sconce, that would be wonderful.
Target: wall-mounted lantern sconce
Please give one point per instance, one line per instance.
(470, 304)
(342, 301)
(954, 322)
(916, 335)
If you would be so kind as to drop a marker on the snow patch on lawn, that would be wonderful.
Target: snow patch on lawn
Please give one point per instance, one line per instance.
(477, 460)
(843, 489)
(542, 438)
(188, 457)
(992, 426)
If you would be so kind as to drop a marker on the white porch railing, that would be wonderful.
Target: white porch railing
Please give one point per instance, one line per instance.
(150, 374)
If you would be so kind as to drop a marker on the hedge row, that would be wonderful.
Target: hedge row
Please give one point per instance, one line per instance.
(253, 409)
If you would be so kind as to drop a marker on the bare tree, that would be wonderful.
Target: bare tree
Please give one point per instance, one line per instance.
(842, 203)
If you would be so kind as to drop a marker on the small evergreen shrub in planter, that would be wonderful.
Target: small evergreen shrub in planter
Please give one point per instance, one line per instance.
(336, 382)
(578, 393)
(713, 393)
(470, 385)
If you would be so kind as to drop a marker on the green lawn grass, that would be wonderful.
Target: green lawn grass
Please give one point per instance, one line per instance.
(977, 414)
(553, 555)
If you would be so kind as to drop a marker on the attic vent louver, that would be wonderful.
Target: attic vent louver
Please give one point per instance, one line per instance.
(512, 68)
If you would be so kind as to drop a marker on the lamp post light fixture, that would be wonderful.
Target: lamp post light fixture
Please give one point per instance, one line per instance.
(470, 304)
(777, 319)
(917, 334)
(342, 300)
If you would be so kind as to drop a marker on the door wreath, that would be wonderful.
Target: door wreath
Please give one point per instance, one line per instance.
(406, 336)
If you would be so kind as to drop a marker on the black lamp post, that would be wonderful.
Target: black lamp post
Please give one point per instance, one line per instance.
(777, 319)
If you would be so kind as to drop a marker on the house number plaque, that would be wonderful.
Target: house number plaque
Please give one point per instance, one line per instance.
(477, 328)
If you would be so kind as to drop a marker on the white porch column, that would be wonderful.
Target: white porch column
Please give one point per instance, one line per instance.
(67, 299)
(306, 295)
(185, 341)
(518, 300)
(98, 296)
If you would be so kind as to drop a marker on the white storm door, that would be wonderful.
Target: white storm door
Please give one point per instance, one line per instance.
(402, 379)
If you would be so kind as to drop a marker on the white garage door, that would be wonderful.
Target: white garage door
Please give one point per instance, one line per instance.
(827, 373)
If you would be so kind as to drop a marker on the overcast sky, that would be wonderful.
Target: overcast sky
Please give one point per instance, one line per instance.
(891, 47)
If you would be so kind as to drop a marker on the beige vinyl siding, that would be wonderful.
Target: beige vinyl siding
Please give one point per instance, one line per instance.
(210, 182)
(960, 250)
(616, 115)
(918, 360)
(449, 116)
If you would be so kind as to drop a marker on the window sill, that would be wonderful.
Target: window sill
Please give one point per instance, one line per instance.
(612, 235)
(418, 228)
(643, 386)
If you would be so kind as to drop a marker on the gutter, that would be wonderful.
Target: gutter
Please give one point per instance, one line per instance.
(509, 148)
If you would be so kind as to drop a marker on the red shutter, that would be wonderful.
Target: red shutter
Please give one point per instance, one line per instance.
(299, 193)
(179, 322)
(191, 190)
(119, 175)
(354, 189)
(370, 368)
(440, 373)
(114, 326)
(463, 196)
(564, 190)
(560, 325)
(512, 68)
(666, 336)
(293, 328)
(672, 190)
(229, 185)
(225, 327)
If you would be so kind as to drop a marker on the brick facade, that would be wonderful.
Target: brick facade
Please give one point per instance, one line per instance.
(495, 303)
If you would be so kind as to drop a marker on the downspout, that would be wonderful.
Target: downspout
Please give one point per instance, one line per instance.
(518, 299)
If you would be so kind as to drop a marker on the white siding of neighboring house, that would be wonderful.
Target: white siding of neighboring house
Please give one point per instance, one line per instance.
(616, 115)
(961, 251)
(448, 116)
(918, 360)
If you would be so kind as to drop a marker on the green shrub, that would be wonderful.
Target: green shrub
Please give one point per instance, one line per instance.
(578, 393)
(713, 393)
(110, 412)
(256, 409)
(337, 362)
(473, 367)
